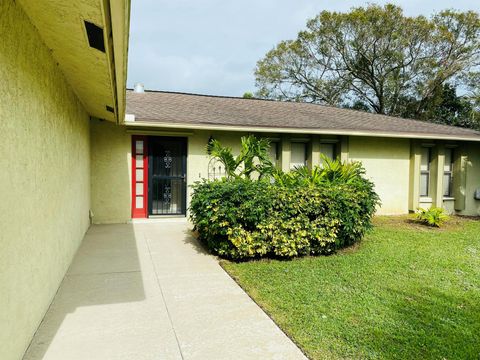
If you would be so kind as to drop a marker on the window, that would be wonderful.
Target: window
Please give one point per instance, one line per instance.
(425, 171)
(447, 173)
(298, 155)
(328, 150)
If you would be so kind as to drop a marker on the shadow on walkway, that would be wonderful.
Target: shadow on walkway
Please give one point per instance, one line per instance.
(105, 270)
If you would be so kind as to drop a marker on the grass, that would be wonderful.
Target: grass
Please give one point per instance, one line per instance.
(405, 292)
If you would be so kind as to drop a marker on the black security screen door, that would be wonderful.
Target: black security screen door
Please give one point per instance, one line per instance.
(167, 167)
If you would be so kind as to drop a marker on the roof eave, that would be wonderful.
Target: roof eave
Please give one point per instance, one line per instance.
(120, 24)
(149, 124)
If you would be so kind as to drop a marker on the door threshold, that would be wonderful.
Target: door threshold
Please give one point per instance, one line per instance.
(167, 216)
(160, 218)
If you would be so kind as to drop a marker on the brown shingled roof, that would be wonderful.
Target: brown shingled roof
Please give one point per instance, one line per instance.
(210, 111)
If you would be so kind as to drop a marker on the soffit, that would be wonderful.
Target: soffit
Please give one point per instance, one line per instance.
(88, 70)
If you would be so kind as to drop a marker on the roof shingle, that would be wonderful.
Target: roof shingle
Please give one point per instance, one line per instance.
(190, 109)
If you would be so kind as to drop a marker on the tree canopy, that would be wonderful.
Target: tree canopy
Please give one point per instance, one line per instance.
(377, 59)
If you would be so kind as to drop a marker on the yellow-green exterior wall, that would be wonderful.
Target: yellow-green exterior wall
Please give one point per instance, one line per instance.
(111, 172)
(387, 163)
(44, 179)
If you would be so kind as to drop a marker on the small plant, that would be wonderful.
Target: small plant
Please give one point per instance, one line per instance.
(432, 217)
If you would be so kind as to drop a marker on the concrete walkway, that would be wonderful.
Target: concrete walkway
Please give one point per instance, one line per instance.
(149, 291)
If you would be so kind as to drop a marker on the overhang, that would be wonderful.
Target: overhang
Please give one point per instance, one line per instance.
(138, 126)
(97, 77)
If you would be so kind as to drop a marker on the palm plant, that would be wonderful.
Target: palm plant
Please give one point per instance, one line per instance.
(331, 172)
(336, 171)
(253, 157)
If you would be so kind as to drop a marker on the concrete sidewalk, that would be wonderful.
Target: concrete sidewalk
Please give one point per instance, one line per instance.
(149, 291)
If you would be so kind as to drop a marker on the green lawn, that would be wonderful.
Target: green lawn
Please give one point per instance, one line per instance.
(405, 292)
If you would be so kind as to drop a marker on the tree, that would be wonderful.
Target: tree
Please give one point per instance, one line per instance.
(446, 107)
(248, 95)
(373, 58)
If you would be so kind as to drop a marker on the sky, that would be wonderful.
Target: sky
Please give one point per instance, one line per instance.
(212, 46)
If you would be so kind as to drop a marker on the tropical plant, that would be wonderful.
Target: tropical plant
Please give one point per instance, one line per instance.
(331, 172)
(433, 216)
(305, 212)
(253, 157)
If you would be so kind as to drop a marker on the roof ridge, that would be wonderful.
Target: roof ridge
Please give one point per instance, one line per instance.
(207, 95)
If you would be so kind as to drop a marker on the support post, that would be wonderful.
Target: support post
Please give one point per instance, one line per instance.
(344, 148)
(414, 184)
(285, 154)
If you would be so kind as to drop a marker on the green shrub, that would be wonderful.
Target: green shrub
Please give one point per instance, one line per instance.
(227, 212)
(305, 212)
(433, 216)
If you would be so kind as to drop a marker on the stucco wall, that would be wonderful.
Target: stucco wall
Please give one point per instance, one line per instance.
(111, 172)
(44, 179)
(387, 164)
(386, 161)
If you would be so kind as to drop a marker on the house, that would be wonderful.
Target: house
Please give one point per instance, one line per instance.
(412, 163)
(61, 63)
(72, 155)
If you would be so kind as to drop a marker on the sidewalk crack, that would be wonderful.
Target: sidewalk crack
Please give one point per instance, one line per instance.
(163, 297)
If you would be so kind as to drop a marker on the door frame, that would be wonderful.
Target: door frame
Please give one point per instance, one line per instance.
(184, 146)
(144, 212)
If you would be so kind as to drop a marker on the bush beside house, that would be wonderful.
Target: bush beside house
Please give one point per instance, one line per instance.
(304, 212)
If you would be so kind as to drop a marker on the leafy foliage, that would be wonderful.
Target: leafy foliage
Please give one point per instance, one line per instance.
(253, 157)
(446, 107)
(433, 216)
(376, 59)
(301, 213)
(331, 172)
